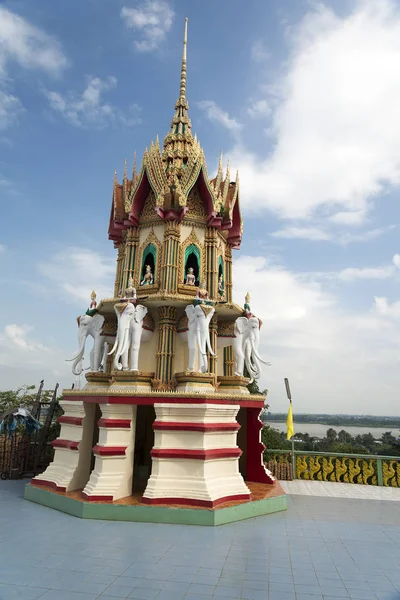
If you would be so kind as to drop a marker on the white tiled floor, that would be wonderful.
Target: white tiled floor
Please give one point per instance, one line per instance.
(340, 490)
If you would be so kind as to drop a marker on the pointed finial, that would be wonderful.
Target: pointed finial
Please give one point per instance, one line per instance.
(115, 179)
(134, 166)
(157, 141)
(125, 171)
(182, 92)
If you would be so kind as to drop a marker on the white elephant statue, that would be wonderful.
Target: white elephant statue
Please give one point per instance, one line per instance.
(91, 325)
(245, 345)
(198, 335)
(130, 334)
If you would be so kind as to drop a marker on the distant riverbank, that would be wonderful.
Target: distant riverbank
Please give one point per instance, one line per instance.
(319, 430)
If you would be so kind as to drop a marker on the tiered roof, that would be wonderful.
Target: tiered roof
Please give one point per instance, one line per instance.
(171, 172)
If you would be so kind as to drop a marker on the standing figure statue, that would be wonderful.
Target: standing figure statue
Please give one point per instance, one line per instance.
(92, 310)
(190, 277)
(221, 288)
(247, 310)
(148, 277)
(130, 292)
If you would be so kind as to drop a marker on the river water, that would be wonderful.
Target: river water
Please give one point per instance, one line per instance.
(318, 430)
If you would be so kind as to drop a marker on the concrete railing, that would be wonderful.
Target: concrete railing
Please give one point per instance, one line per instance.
(367, 469)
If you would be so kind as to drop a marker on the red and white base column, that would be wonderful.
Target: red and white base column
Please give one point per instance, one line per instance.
(70, 468)
(195, 456)
(111, 477)
(255, 469)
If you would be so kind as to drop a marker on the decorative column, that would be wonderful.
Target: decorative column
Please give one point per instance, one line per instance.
(70, 468)
(131, 244)
(228, 272)
(228, 361)
(210, 244)
(170, 257)
(255, 469)
(213, 360)
(112, 475)
(166, 344)
(120, 260)
(195, 456)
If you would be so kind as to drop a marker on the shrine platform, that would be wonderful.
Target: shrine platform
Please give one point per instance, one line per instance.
(265, 499)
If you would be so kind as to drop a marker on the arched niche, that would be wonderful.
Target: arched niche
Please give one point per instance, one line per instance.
(149, 257)
(192, 259)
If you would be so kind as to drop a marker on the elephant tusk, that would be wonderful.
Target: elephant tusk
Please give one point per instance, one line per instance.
(114, 347)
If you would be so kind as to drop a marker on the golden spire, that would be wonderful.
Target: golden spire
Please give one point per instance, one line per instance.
(181, 123)
(182, 90)
(134, 167)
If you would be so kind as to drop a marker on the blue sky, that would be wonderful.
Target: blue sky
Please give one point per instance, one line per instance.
(302, 97)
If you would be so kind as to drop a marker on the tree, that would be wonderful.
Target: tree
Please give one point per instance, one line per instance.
(331, 435)
(344, 437)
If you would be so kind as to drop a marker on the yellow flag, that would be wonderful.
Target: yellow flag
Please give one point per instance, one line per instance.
(289, 423)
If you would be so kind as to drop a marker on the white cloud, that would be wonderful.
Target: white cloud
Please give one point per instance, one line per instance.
(217, 115)
(259, 53)
(305, 336)
(336, 119)
(321, 234)
(76, 271)
(302, 233)
(2, 248)
(351, 274)
(385, 308)
(153, 19)
(17, 336)
(259, 109)
(89, 108)
(10, 109)
(350, 217)
(28, 46)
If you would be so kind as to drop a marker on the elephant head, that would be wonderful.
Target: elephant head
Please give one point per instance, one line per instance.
(247, 338)
(87, 326)
(130, 322)
(199, 318)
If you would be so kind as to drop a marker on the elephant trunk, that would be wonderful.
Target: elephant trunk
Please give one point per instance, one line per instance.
(123, 345)
(77, 358)
(202, 347)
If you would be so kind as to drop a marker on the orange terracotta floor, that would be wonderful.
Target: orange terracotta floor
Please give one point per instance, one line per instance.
(259, 491)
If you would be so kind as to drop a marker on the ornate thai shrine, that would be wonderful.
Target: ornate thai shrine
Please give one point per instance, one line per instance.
(166, 417)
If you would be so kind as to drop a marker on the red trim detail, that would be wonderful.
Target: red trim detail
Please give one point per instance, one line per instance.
(69, 444)
(194, 502)
(98, 498)
(110, 423)
(196, 454)
(255, 469)
(148, 400)
(203, 427)
(50, 484)
(70, 420)
(109, 450)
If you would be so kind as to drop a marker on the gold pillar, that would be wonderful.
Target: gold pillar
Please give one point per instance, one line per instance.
(213, 360)
(131, 244)
(170, 257)
(228, 361)
(118, 276)
(228, 272)
(210, 243)
(166, 344)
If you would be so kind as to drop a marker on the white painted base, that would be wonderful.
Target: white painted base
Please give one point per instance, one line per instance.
(70, 468)
(202, 479)
(112, 475)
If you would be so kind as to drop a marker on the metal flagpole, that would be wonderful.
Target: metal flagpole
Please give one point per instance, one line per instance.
(289, 395)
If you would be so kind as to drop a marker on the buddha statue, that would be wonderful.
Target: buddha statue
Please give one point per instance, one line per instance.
(202, 296)
(92, 310)
(190, 277)
(148, 277)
